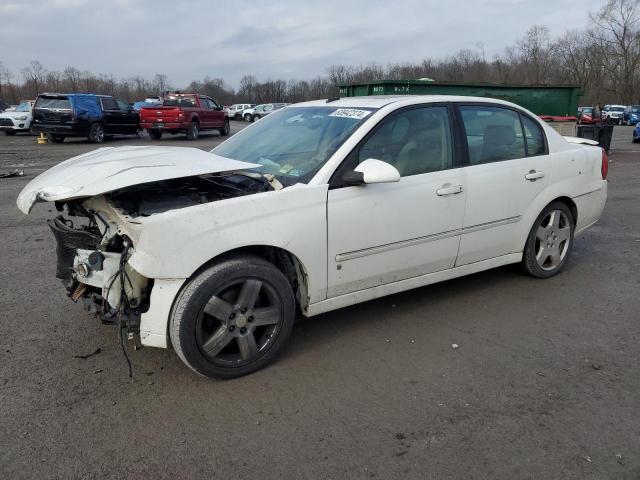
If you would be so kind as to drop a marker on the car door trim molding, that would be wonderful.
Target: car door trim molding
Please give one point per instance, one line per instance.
(343, 257)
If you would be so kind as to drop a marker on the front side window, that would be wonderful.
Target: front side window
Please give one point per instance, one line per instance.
(414, 141)
(294, 143)
(124, 106)
(493, 134)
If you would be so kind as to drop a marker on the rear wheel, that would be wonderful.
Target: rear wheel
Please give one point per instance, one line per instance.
(226, 129)
(54, 138)
(549, 241)
(193, 131)
(154, 133)
(247, 118)
(96, 133)
(233, 318)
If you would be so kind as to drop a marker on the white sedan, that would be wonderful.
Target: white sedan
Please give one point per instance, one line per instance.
(320, 205)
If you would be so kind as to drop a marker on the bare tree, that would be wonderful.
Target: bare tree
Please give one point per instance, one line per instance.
(34, 73)
(617, 32)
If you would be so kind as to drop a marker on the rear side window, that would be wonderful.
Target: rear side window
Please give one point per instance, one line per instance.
(109, 104)
(534, 136)
(493, 134)
(54, 103)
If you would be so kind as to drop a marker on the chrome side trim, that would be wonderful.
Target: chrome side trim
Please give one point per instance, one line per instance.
(487, 225)
(343, 257)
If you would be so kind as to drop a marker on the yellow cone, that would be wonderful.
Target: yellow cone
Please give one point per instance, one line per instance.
(42, 139)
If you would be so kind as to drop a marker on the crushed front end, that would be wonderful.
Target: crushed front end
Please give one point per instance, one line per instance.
(92, 254)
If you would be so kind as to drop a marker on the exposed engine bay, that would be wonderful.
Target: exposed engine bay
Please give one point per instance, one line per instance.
(96, 236)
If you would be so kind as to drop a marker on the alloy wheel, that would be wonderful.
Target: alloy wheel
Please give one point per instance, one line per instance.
(552, 240)
(239, 323)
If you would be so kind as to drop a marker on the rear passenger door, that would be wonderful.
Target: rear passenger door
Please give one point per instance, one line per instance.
(217, 113)
(507, 168)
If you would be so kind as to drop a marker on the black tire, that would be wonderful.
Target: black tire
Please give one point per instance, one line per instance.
(247, 118)
(96, 133)
(237, 116)
(54, 138)
(193, 131)
(226, 129)
(222, 289)
(549, 242)
(10, 132)
(255, 118)
(154, 133)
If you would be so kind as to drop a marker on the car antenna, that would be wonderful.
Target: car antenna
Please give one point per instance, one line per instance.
(332, 99)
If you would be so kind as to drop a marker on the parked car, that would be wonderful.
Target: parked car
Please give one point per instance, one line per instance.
(259, 111)
(613, 113)
(184, 113)
(235, 111)
(631, 115)
(585, 115)
(3, 105)
(318, 206)
(17, 120)
(83, 115)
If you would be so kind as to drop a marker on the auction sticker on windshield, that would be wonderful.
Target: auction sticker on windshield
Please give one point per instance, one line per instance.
(350, 113)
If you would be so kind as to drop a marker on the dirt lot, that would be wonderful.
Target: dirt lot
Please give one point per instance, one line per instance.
(544, 384)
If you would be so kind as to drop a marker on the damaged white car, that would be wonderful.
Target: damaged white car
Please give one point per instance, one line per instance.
(318, 206)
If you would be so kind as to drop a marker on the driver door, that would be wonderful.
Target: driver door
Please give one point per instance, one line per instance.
(384, 233)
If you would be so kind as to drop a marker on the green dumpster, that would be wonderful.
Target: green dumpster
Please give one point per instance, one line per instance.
(559, 100)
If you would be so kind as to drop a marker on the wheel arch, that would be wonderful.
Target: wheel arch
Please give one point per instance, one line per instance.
(570, 204)
(284, 260)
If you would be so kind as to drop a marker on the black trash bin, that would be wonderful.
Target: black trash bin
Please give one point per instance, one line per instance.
(598, 132)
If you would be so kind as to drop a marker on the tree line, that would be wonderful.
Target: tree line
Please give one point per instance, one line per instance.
(603, 58)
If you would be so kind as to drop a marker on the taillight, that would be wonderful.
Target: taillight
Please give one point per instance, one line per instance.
(604, 169)
(180, 117)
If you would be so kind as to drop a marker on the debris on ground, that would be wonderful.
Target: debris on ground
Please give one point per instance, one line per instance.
(541, 374)
(588, 459)
(84, 357)
(12, 173)
(455, 345)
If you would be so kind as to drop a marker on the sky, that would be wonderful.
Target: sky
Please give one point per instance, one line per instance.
(290, 39)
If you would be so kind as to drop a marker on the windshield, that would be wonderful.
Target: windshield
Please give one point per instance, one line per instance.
(23, 107)
(54, 103)
(587, 110)
(293, 143)
(617, 109)
(635, 108)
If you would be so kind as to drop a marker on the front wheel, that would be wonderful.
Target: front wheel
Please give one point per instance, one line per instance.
(193, 132)
(233, 318)
(549, 241)
(247, 118)
(96, 133)
(226, 129)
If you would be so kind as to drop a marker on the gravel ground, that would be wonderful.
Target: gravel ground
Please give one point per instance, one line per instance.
(544, 383)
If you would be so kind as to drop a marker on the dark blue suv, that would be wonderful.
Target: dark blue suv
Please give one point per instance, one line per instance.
(83, 115)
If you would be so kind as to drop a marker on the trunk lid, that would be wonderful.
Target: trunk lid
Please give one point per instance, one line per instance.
(112, 168)
(160, 114)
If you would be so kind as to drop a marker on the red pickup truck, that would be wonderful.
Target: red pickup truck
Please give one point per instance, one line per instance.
(184, 112)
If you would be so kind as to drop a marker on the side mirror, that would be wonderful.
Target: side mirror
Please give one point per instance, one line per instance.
(372, 171)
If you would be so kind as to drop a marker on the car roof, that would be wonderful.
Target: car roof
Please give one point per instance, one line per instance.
(379, 101)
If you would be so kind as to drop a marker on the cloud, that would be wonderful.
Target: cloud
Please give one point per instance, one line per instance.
(277, 38)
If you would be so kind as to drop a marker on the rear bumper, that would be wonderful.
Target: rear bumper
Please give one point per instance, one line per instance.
(67, 130)
(590, 207)
(165, 125)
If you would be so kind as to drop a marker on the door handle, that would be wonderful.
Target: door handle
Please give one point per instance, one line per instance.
(448, 189)
(532, 176)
